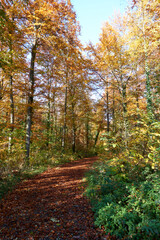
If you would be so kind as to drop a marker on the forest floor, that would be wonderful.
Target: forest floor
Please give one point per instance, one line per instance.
(50, 206)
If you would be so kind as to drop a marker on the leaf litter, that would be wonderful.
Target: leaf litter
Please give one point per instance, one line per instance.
(50, 206)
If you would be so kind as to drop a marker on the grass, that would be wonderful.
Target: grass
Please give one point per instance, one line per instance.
(9, 181)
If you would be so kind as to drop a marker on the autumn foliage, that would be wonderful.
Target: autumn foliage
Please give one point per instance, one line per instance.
(59, 98)
(43, 79)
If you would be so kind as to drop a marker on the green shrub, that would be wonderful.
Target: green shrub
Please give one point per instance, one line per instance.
(127, 205)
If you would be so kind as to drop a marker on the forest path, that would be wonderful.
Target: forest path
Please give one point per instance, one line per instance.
(50, 206)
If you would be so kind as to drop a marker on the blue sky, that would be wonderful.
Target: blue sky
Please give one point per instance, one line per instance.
(92, 13)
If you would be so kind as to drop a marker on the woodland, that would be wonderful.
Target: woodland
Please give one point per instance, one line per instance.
(61, 101)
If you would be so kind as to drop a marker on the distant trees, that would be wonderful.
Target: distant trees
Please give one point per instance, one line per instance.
(43, 83)
(47, 80)
(124, 61)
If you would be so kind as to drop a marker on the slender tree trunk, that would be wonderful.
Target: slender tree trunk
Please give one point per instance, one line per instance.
(1, 85)
(73, 130)
(55, 125)
(11, 116)
(61, 134)
(137, 92)
(54, 120)
(97, 134)
(65, 114)
(87, 132)
(147, 70)
(65, 121)
(30, 101)
(137, 100)
(52, 125)
(148, 94)
(11, 101)
(124, 106)
(96, 138)
(148, 85)
(49, 115)
(113, 112)
(108, 121)
(1, 79)
(48, 122)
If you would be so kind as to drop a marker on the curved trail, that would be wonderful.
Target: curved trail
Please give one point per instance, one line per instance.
(50, 206)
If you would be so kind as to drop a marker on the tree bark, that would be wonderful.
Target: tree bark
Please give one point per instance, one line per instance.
(124, 106)
(108, 121)
(30, 101)
(87, 131)
(65, 116)
(49, 114)
(113, 112)
(1, 85)
(148, 94)
(147, 70)
(10, 143)
(73, 130)
(11, 116)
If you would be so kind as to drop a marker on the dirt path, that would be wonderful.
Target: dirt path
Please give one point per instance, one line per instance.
(50, 206)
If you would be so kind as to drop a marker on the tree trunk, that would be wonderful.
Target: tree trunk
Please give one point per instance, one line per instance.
(97, 135)
(107, 98)
(65, 121)
(124, 106)
(148, 86)
(30, 101)
(87, 132)
(11, 116)
(148, 94)
(73, 130)
(113, 112)
(54, 120)
(1, 85)
(137, 99)
(55, 125)
(49, 114)
(11, 100)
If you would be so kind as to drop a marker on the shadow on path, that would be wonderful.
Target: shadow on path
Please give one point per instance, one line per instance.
(50, 206)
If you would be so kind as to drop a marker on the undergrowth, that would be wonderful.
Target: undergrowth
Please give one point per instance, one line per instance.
(125, 199)
(14, 174)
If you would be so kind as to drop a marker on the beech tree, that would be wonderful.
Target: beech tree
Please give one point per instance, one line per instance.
(43, 20)
(12, 52)
(113, 59)
(143, 29)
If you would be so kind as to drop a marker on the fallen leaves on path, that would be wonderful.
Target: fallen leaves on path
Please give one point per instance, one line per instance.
(50, 206)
